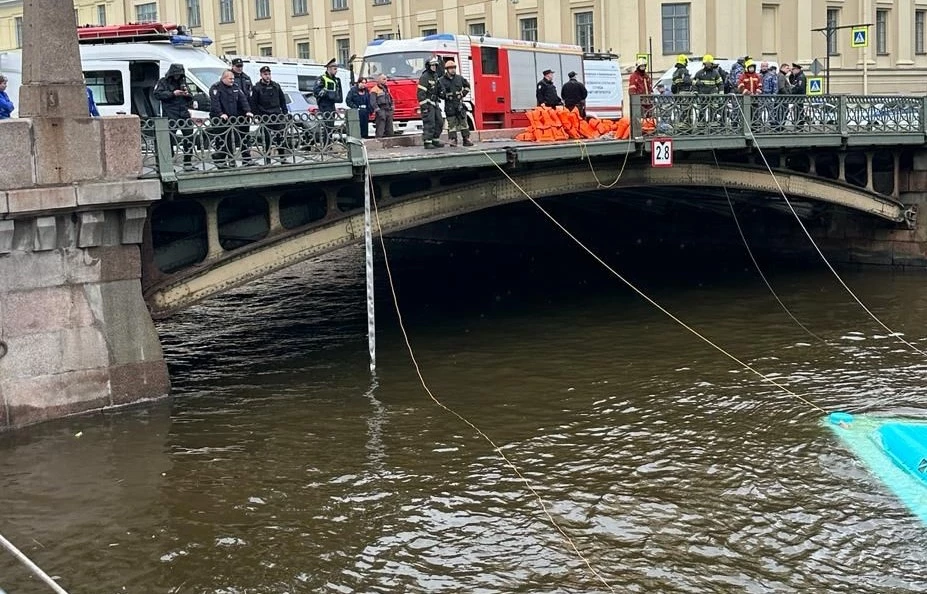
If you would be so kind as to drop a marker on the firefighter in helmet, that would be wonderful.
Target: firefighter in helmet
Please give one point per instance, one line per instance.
(453, 89)
(429, 93)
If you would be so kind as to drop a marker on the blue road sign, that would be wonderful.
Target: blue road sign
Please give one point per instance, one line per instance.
(860, 37)
(815, 85)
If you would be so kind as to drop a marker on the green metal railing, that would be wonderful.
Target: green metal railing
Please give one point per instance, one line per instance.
(690, 115)
(172, 148)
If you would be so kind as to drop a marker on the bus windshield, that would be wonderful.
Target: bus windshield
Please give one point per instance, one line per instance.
(399, 65)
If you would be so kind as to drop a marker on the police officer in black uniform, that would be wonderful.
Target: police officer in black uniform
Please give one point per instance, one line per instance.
(176, 100)
(547, 91)
(574, 94)
(242, 80)
(429, 93)
(268, 102)
(227, 104)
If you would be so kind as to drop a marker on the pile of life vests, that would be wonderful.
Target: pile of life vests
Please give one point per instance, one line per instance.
(548, 124)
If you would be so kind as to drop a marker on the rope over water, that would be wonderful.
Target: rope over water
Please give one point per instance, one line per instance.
(647, 298)
(840, 280)
(497, 449)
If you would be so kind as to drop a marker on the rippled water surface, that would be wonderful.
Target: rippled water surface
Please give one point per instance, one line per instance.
(278, 467)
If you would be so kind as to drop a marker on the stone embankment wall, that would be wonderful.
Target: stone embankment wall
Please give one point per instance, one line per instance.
(75, 334)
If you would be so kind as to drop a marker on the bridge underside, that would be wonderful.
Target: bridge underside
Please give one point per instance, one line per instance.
(202, 247)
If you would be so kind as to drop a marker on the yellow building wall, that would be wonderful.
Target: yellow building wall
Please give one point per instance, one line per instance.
(778, 30)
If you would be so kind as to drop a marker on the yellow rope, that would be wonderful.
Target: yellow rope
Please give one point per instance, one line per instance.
(814, 243)
(599, 184)
(643, 295)
(463, 419)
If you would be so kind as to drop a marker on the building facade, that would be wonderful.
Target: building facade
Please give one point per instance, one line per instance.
(780, 30)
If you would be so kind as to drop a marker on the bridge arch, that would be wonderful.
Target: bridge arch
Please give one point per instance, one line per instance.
(293, 246)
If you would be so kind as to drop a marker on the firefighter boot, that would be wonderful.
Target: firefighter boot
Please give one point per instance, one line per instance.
(466, 138)
(451, 139)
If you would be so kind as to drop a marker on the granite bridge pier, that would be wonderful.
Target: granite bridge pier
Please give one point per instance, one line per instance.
(104, 224)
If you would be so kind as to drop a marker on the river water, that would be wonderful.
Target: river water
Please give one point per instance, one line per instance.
(278, 467)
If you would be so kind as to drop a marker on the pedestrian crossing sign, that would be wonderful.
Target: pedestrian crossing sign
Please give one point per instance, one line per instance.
(815, 85)
(859, 37)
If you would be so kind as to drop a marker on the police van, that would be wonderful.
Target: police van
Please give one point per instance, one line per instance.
(123, 63)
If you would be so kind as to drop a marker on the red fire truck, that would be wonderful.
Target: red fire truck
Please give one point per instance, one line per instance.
(503, 75)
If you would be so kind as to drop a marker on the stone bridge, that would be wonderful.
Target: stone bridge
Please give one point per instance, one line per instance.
(850, 162)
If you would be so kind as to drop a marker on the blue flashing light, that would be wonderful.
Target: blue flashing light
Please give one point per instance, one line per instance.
(439, 37)
(190, 40)
(377, 41)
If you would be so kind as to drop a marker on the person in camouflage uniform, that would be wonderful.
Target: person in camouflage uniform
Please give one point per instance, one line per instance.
(453, 89)
(428, 95)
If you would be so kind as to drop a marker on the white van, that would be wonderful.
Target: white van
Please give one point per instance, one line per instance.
(291, 74)
(122, 71)
(695, 64)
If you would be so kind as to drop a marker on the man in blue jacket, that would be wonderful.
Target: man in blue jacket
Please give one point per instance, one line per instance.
(6, 104)
(91, 104)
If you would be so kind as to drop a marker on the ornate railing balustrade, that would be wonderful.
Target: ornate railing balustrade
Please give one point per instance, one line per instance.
(188, 147)
(699, 116)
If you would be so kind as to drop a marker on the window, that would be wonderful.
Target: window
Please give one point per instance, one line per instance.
(193, 13)
(266, 50)
(881, 31)
(226, 11)
(229, 51)
(146, 13)
(833, 21)
(101, 14)
(261, 9)
(381, 2)
(476, 29)
(429, 31)
(489, 58)
(339, 4)
(529, 28)
(76, 18)
(343, 50)
(300, 7)
(920, 46)
(106, 86)
(584, 37)
(385, 35)
(18, 25)
(675, 24)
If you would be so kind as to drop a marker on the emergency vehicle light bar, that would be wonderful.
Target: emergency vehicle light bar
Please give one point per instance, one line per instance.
(139, 33)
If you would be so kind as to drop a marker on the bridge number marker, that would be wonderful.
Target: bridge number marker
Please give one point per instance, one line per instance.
(815, 85)
(859, 37)
(661, 152)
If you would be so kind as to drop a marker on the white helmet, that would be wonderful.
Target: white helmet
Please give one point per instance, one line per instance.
(640, 62)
